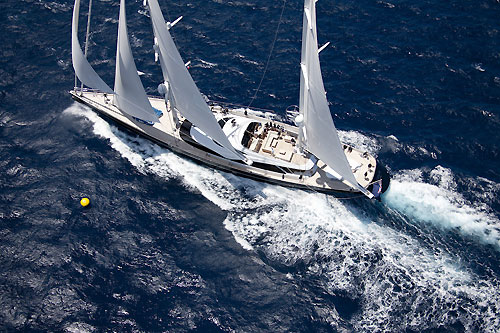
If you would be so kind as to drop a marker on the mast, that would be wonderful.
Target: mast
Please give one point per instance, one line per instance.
(188, 99)
(317, 132)
(169, 97)
(307, 26)
(166, 92)
(83, 70)
(165, 88)
(87, 35)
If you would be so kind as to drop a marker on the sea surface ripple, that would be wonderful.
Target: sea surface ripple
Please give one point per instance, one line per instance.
(171, 245)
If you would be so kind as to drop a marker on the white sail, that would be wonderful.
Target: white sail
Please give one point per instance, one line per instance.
(188, 99)
(130, 95)
(319, 134)
(83, 69)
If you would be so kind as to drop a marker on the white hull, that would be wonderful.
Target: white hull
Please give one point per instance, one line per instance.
(273, 151)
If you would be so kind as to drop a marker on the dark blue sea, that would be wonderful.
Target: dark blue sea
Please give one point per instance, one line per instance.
(169, 245)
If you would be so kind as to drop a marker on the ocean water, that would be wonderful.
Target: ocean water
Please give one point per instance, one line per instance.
(171, 245)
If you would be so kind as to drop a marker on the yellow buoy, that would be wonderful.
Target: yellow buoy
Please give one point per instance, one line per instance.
(85, 202)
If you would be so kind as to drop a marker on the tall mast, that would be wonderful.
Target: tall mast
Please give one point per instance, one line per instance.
(83, 70)
(188, 99)
(304, 80)
(317, 133)
(87, 34)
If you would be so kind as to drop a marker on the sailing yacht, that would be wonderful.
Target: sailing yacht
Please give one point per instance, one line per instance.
(248, 142)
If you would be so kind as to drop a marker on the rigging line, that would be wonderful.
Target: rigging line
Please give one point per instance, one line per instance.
(270, 54)
(88, 29)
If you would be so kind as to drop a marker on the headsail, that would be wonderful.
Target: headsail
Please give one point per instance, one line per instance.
(83, 69)
(130, 95)
(188, 99)
(319, 134)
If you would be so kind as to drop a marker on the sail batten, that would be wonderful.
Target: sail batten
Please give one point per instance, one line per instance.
(84, 71)
(130, 96)
(322, 139)
(188, 99)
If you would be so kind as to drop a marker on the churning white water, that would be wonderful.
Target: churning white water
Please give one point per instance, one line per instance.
(399, 282)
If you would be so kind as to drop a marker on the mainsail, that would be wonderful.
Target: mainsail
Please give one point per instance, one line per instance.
(83, 69)
(130, 95)
(319, 134)
(188, 99)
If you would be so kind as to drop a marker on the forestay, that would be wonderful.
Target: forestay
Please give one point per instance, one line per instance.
(188, 99)
(319, 134)
(130, 95)
(83, 69)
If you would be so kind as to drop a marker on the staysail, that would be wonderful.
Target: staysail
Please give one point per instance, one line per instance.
(319, 134)
(84, 71)
(188, 99)
(127, 81)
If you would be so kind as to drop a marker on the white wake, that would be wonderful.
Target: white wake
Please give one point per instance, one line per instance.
(438, 203)
(400, 283)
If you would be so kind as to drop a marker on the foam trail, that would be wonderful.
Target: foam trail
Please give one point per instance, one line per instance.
(149, 157)
(399, 284)
(140, 155)
(439, 204)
